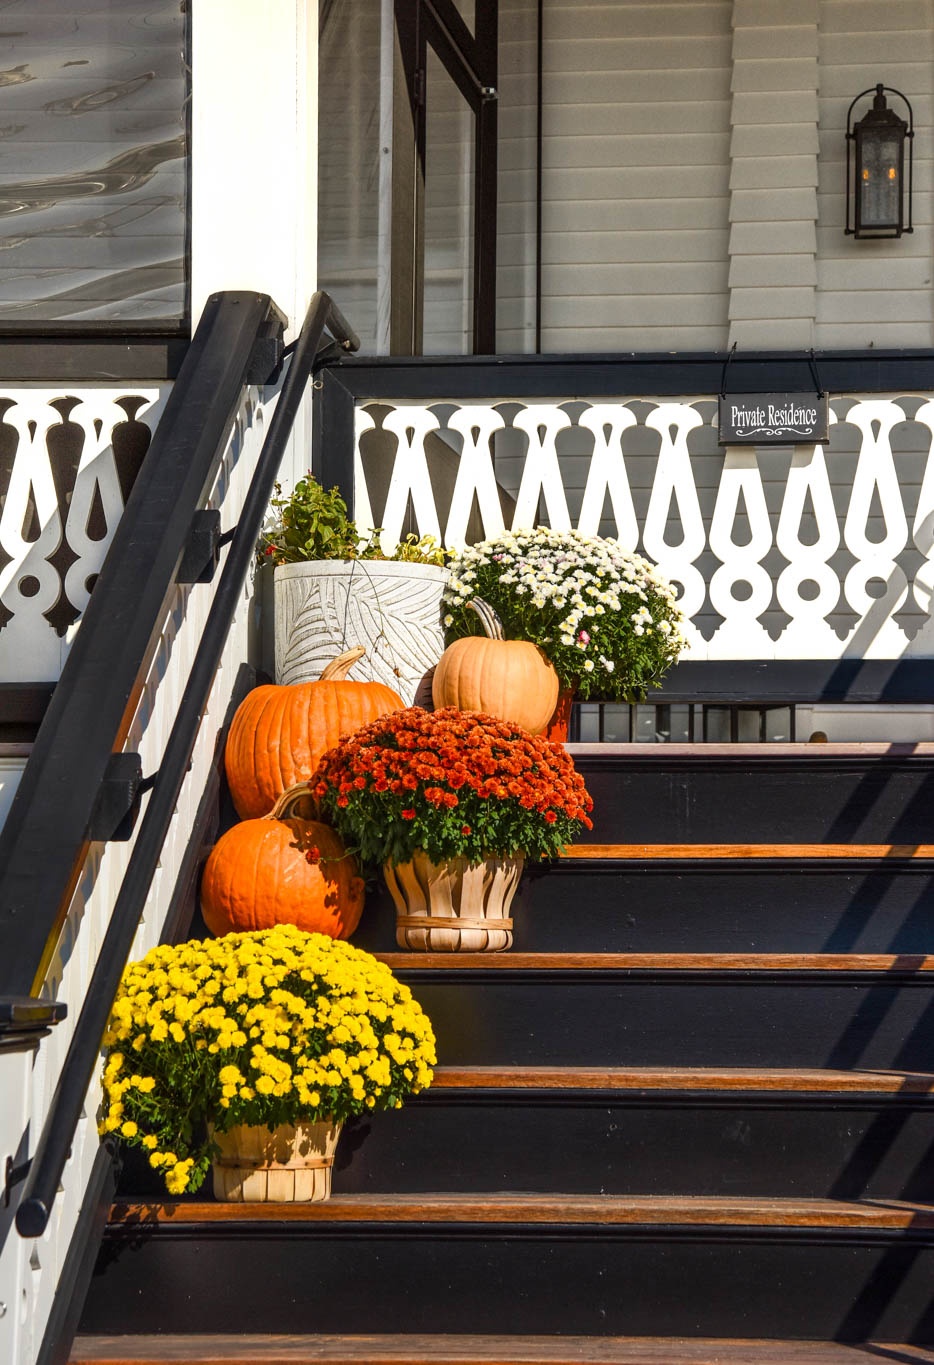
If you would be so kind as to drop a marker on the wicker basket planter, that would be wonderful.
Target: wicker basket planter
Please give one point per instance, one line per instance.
(455, 906)
(287, 1165)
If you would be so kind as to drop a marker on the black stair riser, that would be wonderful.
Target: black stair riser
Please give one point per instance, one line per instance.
(625, 1281)
(759, 800)
(588, 1142)
(498, 1017)
(778, 906)
(715, 1146)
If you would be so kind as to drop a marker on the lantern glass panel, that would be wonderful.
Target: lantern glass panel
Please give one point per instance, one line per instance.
(880, 188)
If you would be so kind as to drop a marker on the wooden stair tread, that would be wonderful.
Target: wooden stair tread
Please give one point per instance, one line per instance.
(682, 1078)
(480, 1350)
(604, 1209)
(798, 749)
(746, 962)
(712, 852)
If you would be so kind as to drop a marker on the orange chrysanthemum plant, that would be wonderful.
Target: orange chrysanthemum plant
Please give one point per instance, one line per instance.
(453, 784)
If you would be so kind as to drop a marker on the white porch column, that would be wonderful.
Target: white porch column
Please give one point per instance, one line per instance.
(254, 150)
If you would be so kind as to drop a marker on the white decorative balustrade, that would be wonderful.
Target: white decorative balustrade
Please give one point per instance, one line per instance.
(29, 1270)
(806, 552)
(68, 458)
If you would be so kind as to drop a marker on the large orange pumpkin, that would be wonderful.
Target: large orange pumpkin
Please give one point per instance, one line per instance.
(279, 733)
(282, 869)
(510, 679)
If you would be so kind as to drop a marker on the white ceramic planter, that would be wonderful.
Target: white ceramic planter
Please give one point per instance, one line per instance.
(392, 609)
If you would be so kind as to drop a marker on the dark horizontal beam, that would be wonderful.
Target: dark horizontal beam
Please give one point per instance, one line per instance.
(632, 375)
(87, 359)
(24, 703)
(799, 682)
(21, 1012)
(24, 1020)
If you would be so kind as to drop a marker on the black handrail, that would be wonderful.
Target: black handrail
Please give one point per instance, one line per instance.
(44, 839)
(61, 1123)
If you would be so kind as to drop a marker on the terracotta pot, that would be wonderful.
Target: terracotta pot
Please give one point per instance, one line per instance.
(457, 906)
(286, 1165)
(557, 728)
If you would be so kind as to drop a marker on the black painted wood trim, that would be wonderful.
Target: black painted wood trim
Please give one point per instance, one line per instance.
(78, 1267)
(24, 703)
(79, 358)
(240, 1232)
(333, 433)
(799, 681)
(24, 1021)
(631, 375)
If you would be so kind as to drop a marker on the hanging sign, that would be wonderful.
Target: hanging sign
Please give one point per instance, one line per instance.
(772, 418)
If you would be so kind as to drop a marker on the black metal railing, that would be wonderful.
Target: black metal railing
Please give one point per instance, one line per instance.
(45, 840)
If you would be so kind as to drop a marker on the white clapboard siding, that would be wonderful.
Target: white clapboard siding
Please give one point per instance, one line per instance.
(773, 174)
(635, 176)
(874, 293)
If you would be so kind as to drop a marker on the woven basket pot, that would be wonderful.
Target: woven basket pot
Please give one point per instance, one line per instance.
(287, 1165)
(456, 906)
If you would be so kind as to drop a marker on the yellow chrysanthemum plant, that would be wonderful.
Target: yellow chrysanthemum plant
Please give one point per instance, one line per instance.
(267, 1028)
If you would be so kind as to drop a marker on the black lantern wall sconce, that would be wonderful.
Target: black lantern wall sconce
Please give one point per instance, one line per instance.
(878, 189)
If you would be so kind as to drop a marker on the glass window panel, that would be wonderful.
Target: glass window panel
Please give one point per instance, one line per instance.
(589, 721)
(778, 724)
(616, 724)
(449, 215)
(94, 175)
(349, 162)
(717, 724)
(644, 725)
(880, 190)
(747, 726)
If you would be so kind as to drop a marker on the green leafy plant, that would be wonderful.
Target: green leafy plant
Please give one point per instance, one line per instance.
(272, 1027)
(453, 784)
(605, 617)
(313, 522)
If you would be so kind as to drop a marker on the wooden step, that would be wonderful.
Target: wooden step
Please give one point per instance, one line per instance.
(764, 852)
(554, 1209)
(825, 1010)
(778, 794)
(713, 898)
(888, 965)
(480, 1350)
(639, 1130)
(522, 1264)
(737, 1079)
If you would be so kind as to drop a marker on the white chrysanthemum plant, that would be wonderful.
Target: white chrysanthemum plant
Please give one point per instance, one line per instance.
(605, 617)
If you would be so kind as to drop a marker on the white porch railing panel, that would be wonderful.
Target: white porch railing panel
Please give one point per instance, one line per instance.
(806, 552)
(31, 1269)
(67, 458)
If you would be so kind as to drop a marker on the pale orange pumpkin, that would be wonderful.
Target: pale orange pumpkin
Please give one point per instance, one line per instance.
(282, 869)
(280, 732)
(510, 679)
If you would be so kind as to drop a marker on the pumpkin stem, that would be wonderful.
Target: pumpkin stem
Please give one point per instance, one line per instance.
(295, 801)
(338, 668)
(489, 620)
